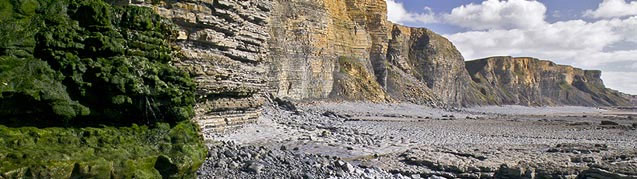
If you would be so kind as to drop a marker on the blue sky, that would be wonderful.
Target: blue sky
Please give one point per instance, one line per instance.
(558, 10)
(589, 34)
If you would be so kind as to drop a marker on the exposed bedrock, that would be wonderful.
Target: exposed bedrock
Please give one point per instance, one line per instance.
(533, 82)
(309, 39)
(409, 64)
(224, 47)
(240, 51)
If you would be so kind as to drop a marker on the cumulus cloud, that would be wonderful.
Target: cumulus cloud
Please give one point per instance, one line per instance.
(622, 81)
(518, 28)
(566, 40)
(595, 59)
(496, 14)
(613, 8)
(397, 13)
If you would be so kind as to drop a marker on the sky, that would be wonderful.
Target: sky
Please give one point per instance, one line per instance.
(588, 34)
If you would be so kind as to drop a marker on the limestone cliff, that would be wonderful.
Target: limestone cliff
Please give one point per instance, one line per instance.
(409, 64)
(529, 81)
(223, 46)
(241, 50)
(432, 60)
(308, 38)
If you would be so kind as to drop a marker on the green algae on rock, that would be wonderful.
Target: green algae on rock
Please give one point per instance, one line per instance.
(112, 61)
(28, 82)
(66, 65)
(105, 152)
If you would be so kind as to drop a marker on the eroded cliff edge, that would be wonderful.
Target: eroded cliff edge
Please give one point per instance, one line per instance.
(534, 82)
(308, 39)
(241, 51)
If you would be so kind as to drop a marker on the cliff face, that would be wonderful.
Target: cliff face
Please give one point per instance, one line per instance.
(432, 60)
(529, 81)
(409, 64)
(308, 38)
(240, 50)
(224, 47)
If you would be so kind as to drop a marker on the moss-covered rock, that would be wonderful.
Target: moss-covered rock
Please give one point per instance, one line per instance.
(71, 70)
(108, 63)
(31, 87)
(105, 152)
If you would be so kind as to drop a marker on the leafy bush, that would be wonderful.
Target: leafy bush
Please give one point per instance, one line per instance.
(84, 61)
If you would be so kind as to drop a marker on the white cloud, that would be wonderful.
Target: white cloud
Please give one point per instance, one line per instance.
(575, 42)
(599, 58)
(496, 14)
(518, 28)
(613, 8)
(397, 13)
(497, 31)
(628, 28)
(622, 81)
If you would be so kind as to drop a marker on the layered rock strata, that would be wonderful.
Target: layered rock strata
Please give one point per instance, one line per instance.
(224, 46)
(431, 59)
(239, 50)
(409, 64)
(534, 82)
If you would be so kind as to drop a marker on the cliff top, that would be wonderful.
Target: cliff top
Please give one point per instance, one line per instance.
(526, 60)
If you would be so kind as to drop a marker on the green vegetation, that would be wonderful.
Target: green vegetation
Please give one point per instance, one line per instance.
(88, 90)
(27, 82)
(347, 64)
(564, 85)
(106, 152)
(103, 64)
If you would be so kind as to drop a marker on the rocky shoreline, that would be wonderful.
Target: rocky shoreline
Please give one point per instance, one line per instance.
(367, 140)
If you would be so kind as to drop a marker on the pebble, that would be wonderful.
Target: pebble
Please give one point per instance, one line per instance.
(335, 132)
(609, 123)
(255, 167)
(348, 168)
